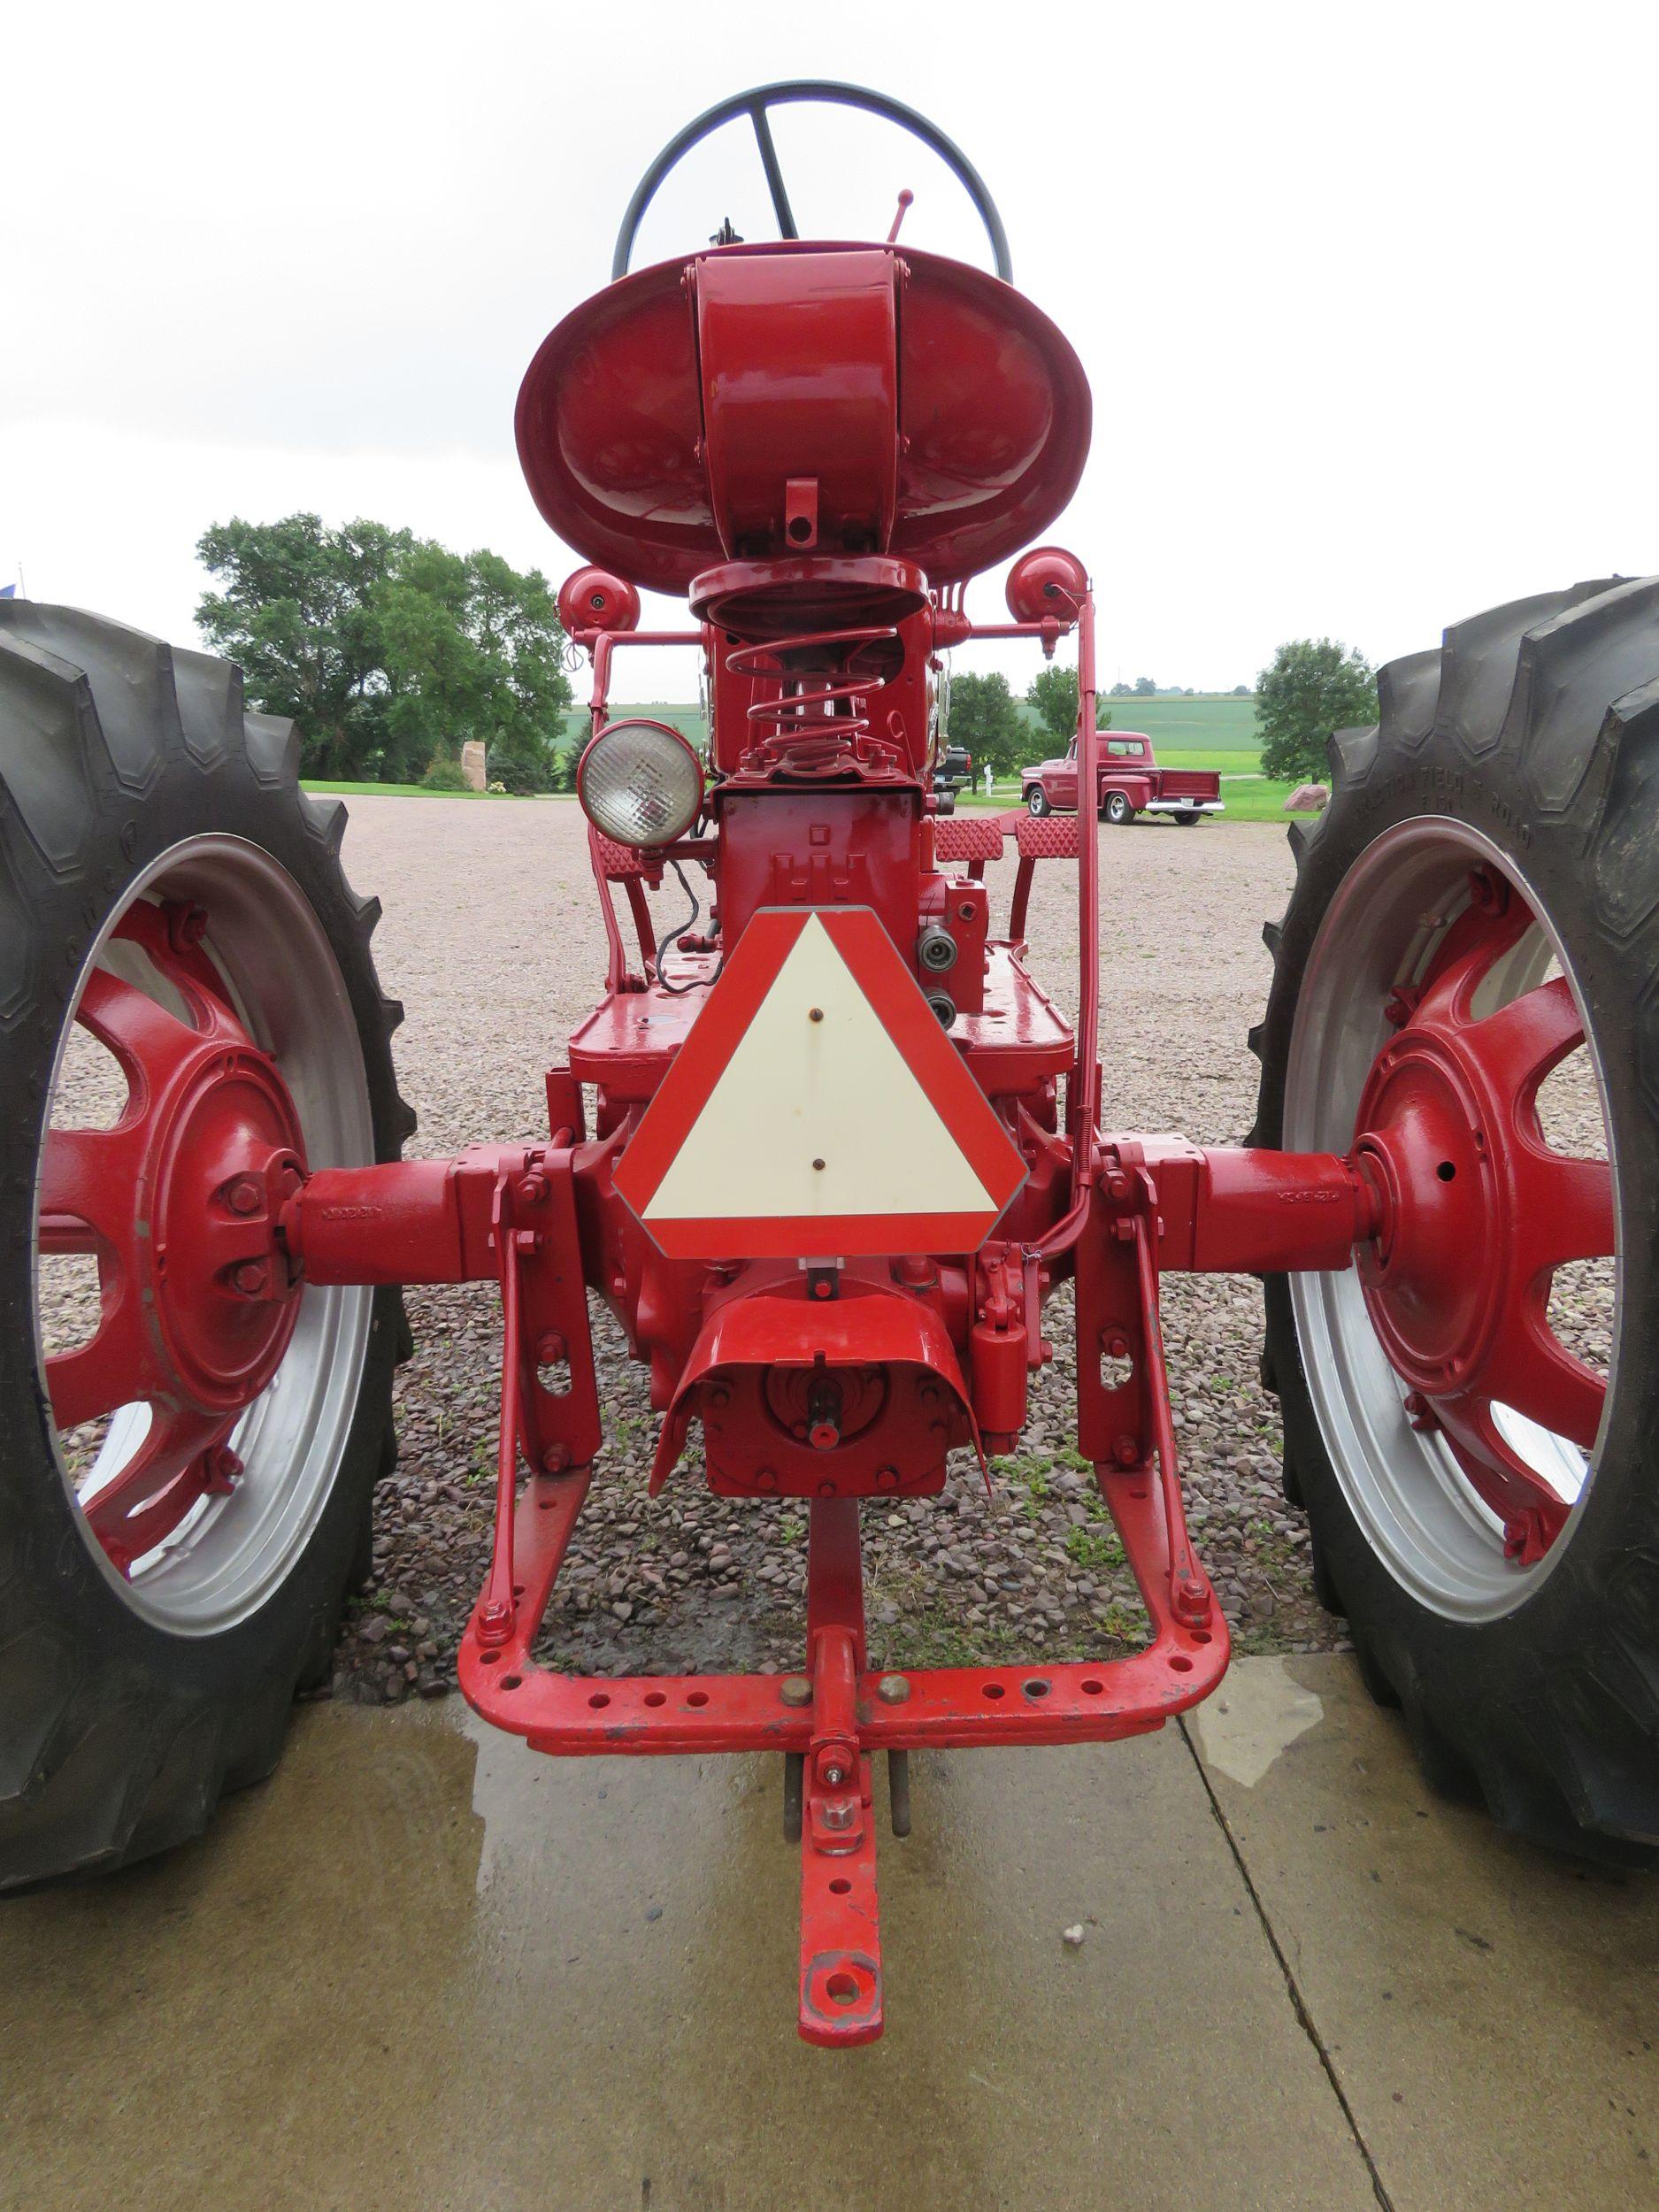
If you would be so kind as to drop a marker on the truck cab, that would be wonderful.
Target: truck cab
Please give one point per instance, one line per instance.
(1130, 781)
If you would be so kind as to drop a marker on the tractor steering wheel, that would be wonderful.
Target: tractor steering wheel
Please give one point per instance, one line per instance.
(755, 106)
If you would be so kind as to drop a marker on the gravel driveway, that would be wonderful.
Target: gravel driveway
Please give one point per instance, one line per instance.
(491, 939)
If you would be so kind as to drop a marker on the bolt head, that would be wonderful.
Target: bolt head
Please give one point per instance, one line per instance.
(555, 1459)
(531, 1189)
(795, 1689)
(837, 1816)
(893, 1689)
(242, 1196)
(551, 1349)
(250, 1277)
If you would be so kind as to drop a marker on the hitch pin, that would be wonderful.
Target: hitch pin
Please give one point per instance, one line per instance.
(905, 198)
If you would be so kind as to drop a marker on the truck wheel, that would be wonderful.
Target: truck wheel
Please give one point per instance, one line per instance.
(1463, 983)
(1187, 821)
(1118, 809)
(1037, 802)
(187, 1449)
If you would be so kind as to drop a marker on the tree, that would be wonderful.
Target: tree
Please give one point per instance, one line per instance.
(1145, 688)
(387, 649)
(1054, 694)
(1315, 685)
(1122, 691)
(1241, 691)
(984, 718)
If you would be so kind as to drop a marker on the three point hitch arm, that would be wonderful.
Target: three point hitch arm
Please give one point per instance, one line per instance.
(527, 1216)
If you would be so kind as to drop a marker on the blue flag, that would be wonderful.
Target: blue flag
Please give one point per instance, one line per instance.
(8, 591)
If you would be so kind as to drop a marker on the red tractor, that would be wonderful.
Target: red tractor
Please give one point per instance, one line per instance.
(827, 1158)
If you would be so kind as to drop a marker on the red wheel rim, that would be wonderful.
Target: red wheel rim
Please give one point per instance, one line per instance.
(1479, 1213)
(1437, 999)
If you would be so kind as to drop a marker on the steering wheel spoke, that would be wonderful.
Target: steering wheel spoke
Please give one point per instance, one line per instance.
(756, 103)
(768, 162)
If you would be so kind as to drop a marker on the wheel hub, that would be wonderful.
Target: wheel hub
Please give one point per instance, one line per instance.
(1433, 1277)
(220, 1165)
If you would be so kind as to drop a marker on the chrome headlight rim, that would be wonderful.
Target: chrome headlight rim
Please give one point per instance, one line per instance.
(605, 741)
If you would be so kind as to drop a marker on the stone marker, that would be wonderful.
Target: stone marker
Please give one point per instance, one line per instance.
(472, 764)
(1306, 798)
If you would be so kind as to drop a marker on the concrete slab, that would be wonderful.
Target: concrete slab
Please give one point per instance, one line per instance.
(1491, 2014)
(420, 1971)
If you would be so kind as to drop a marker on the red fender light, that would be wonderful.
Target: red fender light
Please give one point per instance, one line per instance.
(639, 783)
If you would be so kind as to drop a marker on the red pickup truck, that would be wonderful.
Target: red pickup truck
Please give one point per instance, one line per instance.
(1130, 783)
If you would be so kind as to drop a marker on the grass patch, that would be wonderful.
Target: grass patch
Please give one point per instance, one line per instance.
(1099, 1549)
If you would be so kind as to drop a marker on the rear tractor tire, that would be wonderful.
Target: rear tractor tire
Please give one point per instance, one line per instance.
(187, 1451)
(1465, 984)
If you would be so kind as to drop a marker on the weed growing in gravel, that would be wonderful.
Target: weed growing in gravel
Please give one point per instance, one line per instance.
(1098, 1549)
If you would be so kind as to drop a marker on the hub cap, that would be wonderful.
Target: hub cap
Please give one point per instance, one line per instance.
(202, 1419)
(1436, 1003)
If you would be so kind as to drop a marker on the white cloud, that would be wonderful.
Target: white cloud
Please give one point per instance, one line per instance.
(1365, 295)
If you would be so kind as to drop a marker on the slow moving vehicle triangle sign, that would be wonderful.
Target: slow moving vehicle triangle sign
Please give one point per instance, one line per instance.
(817, 1109)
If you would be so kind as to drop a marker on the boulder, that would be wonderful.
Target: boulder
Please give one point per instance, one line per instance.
(1308, 798)
(472, 764)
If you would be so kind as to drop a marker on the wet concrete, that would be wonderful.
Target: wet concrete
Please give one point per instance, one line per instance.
(1491, 2013)
(424, 1968)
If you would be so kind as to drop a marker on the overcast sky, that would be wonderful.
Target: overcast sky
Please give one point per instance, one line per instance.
(1366, 294)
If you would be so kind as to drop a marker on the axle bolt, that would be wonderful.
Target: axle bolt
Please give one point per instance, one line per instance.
(794, 1689)
(250, 1277)
(242, 1196)
(893, 1689)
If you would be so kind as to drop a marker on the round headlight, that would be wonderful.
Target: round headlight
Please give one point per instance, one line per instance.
(639, 783)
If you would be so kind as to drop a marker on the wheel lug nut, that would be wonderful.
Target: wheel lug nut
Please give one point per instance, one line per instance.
(1420, 1412)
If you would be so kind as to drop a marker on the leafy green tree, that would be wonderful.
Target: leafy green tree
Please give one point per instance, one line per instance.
(299, 612)
(1241, 691)
(985, 719)
(1315, 685)
(1054, 693)
(1145, 688)
(387, 649)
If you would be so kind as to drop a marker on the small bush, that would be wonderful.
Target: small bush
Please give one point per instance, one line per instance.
(443, 774)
